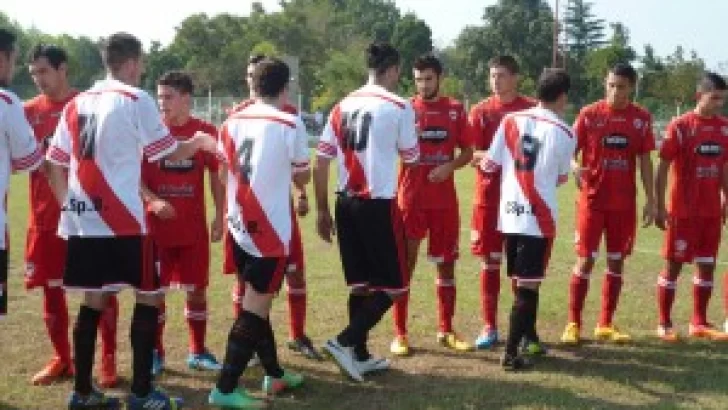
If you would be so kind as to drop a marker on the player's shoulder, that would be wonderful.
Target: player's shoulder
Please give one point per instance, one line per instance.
(592, 108)
(381, 94)
(34, 103)
(8, 97)
(203, 125)
(640, 111)
(484, 105)
(526, 101)
(453, 103)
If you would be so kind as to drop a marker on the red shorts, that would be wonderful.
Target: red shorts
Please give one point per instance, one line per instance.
(485, 239)
(185, 267)
(45, 259)
(692, 240)
(619, 229)
(443, 226)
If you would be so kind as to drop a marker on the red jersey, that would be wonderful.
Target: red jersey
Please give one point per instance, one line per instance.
(610, 141)
(181, 183)
(485, 117)
(43, 115)
(291, 109)
(697, 148)
(441, 126)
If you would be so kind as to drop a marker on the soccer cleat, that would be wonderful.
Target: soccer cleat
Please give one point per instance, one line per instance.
(344, 358)
(157, 363)
(534, 348)
(289, 381)
(452, 341)
(515, 363)
(156, 399)
(254, 361)
(400, 346)
(97, 400)
(707, 332)
(304, 346)
(667, 333)
(725, 326)
(611, 334)
(54, 370)
(203, 361)
(107, 376)
(571, 334)
(373, 364)
(487, 339)
(237, 399)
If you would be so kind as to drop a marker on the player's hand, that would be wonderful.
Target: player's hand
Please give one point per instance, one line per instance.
(162, 209)
(216, 230)
(325, 226)
(440, 173)
(477, 158)
(661, 218)
(649, 214)
(207, 142)
(579, 173)
(302, 207)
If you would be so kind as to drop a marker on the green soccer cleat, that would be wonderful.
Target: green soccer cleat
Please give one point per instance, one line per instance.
(237, 399)
(289, 381)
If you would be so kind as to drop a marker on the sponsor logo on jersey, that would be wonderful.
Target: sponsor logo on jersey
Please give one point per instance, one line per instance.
(709, 149)
(616, 141)
(710, 171)
(183, 165)
(433, 134)
(176, 191)
(518, 209)
(81, 206)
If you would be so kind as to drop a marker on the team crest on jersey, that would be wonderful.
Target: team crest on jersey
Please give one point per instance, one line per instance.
(638, 123)
(453, 115)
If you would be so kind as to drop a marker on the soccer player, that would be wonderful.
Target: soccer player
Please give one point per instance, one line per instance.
(96, 156)
(366, 132)
(175, 200)
(694, 153)
(428, 199)
(264, 149)
(45, 252)
(295, 270)
(487, 242)
(19, 152)
(533, 151)
(614, 135)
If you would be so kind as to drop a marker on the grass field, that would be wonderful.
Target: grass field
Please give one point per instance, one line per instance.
(643, 374)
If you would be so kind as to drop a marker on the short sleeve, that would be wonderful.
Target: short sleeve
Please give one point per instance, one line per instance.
(156, 140)
(477, 128)
(59, 149)
(407, 144)
(496, 152)
(328, 143)
(25, 154)
(672, 143)
(568, 147)
(299, 148)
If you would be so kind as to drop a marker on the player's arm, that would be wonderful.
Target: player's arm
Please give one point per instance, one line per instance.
(156, 205)
(580, 131)
(217, 190)
(25, 153)
(201, 141)
(465, 154)
(476, 126)
(648, 179)
(407, 142)
(493, 159)
(669, 150)
(326, 151)
(58, 158)
(724, 192)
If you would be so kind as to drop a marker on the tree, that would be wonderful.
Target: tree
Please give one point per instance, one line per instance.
(583, 30)
(599, 61)
(412, 37)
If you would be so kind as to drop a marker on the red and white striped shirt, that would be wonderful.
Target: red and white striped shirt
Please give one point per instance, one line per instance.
(101, 138)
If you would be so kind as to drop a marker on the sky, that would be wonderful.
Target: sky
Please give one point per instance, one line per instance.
(695, 24)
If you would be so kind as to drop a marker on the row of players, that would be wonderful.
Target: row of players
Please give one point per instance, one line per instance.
(613, 135)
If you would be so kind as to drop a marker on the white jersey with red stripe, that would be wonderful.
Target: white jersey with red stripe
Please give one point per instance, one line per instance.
(263, 147)
(367, 131)
(533, 149)
(101, 138)
(19, 150)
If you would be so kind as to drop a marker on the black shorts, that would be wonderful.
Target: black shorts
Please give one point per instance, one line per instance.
(3, 282)
(527, 257)
(111, 263)
(371, 240)
(264, 274)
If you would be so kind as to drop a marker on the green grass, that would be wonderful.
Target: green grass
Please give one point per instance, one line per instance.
(643, 374)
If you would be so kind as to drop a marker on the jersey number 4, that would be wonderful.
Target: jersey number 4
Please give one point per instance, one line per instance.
(355, 129)
(528, 149)
(245, 152)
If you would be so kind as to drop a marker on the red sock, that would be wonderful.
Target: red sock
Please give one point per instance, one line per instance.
(55, 315)
(578, 288)
(446, 295)
(702, 289)
(107, 324)
(297, 311)
(611, 288)
(489, 293)
(666, 286)
(162, 319)
(399, 313)
(237, 294)
(196, 315)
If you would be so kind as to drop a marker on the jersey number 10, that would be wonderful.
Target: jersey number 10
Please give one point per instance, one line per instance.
(355, 128)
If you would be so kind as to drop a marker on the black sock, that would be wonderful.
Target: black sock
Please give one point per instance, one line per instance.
(267, 353)
(244, 336)
(521, 315)
(144, 326)
(356, 302)
(376, 305)
(531, 333)
(84, 345)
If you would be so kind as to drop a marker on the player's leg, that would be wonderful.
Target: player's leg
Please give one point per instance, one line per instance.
(229, 268)
(108, 377)
(677, 249)
(168, 264)
(487, 243)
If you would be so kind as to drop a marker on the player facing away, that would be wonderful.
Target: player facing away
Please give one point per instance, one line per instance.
(19, 152)
(95, 171)
(614, 137)
(486, 241)
(45, 252)
(174, 194)
(533, 151)
(694, 154)
(296, 294)
(264, 149)
(428, 200)
(366, 133)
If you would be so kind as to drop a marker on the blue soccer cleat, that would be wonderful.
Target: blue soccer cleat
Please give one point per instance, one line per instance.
(156, 399)
(97, 400)
(487, 339)
(203, 361)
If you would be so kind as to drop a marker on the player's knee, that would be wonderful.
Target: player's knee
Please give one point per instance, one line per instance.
(296, 280)
(150, 299)
(446, 270)
(585, 264)
(359, 290)
(197, 296)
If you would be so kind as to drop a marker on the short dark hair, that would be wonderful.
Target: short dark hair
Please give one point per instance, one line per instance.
(7, 41)
(179, 80)
(552, 83)
(428, 61)
(270, 77)
(256, 58)
(625, 70)
(505, 61)
(120, 48)
(53, 53)
(711, 81)
(381, 56)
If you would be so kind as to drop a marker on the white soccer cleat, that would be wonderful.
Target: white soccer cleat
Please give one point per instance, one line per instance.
(344, 358)
(373, 364)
